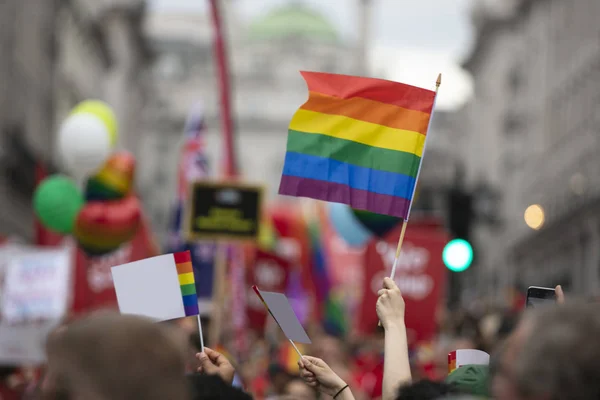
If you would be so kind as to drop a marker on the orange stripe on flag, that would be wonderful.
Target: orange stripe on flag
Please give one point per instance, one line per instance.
(369, 111)
(184, 268)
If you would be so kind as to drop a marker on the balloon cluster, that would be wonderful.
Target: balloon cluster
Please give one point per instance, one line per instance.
(357, 227)
(106, 214)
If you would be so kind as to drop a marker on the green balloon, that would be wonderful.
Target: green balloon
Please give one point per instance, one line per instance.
(56, 202)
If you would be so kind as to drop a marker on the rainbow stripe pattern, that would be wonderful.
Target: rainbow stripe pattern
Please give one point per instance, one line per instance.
(358, 141)
(187, 283)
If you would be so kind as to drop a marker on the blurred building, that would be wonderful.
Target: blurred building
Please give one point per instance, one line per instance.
(56, 53)
(265, 57)
(533, 134)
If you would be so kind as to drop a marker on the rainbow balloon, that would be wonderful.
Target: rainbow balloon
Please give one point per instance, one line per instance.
(114, 180)
(102, 227)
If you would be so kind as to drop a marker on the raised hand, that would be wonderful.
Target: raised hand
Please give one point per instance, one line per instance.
(390, 305)
(316, 373)
(214, 363)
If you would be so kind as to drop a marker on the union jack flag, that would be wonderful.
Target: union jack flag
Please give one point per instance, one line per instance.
(193, 166)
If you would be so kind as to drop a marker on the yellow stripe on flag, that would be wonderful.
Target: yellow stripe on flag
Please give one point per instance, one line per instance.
(358, 131)
(186, 279)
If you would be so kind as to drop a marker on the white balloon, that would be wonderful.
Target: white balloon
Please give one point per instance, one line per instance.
(83, 144)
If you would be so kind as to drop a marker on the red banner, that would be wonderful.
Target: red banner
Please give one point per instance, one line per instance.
(420, 274)
(270, 273)
(345, 267)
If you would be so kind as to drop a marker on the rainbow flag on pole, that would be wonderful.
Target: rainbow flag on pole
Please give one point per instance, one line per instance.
(358, 141)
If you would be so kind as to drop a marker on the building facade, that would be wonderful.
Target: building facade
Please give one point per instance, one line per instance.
(533, 135)
(265, 56)
(56, 53)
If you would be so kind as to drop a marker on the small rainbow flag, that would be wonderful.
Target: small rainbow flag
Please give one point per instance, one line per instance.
(160, 287)
(187, 283)
(358, 141)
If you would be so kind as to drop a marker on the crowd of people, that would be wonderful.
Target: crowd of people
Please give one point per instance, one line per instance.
(550, 353)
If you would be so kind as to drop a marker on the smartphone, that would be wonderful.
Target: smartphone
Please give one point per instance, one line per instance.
(539, 296)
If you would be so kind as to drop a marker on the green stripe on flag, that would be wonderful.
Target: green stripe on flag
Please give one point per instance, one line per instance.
(186, 290)
(358, 154)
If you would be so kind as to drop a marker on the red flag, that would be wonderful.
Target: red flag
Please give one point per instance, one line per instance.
(270, 273)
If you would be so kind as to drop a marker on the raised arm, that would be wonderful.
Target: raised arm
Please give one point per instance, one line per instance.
(318, 374)
(390, 310)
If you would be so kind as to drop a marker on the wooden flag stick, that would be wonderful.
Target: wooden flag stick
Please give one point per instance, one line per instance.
(295, 348)
(438, 83)
(200, 333)
(399, 248)
(220, 275)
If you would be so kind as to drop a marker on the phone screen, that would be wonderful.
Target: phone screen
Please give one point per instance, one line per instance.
(538, 296)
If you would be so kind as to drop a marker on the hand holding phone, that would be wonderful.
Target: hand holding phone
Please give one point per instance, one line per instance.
(539, 296)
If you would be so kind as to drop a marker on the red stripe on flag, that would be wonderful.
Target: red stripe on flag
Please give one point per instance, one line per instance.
(182, 257)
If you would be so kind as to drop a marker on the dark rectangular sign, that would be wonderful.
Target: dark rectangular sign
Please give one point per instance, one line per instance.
(227, 211)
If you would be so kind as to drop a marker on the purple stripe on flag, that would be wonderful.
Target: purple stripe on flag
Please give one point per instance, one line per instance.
(338, 193)
(191, 310)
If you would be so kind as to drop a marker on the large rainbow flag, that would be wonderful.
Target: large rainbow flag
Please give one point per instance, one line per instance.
(358, 141)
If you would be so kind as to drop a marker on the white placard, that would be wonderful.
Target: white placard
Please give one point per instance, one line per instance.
(24, 344)
(35, 294)
(36, 286)
(282, 311)
(150, 288)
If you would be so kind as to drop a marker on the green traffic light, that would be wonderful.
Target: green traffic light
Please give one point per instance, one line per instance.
(458, 255)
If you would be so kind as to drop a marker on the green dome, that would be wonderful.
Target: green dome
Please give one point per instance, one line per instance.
(293, 20)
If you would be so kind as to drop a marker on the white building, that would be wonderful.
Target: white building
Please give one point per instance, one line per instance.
(265, 57)
(533, 135)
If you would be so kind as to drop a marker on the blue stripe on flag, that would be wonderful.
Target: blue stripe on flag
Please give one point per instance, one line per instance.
(328, 170)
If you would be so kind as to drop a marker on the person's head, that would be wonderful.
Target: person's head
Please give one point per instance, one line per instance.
(471, 379)
(554, 354)
(212, 387)
(278, 377)
(298, 390)
(111, 356)
(425, 390)
(330, 348)
(5, 372)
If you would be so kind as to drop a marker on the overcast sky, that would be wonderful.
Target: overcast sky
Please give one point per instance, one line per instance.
(412, 40)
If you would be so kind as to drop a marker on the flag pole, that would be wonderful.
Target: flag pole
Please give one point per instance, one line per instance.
(400, 241)
(220, 274)
(200, 333)
(438, 83)
(296, 348)
(255, 288)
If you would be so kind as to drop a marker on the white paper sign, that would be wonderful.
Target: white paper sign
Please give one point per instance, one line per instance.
(35, 297)
(36, 286)
(283, 313)
(24, 344)
(150, 288)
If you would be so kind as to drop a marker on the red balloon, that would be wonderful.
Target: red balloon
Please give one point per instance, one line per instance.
(104, 226)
